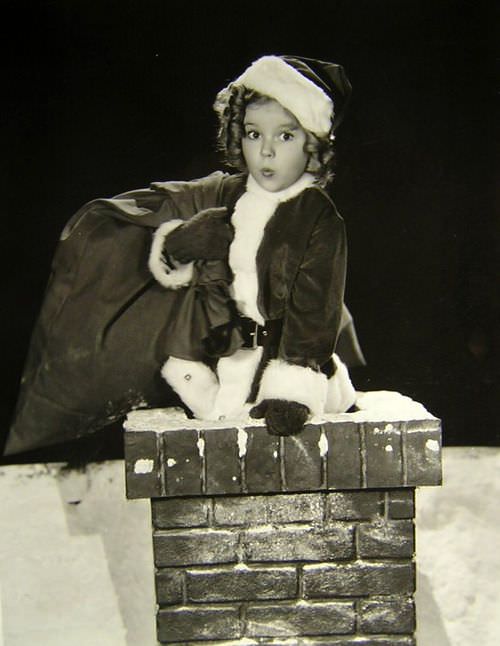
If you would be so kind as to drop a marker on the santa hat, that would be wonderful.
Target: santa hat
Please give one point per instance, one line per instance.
(315, 92)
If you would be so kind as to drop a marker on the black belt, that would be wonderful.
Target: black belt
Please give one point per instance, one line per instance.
(253, 334)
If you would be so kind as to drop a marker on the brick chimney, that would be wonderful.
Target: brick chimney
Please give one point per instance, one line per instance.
(298, 540)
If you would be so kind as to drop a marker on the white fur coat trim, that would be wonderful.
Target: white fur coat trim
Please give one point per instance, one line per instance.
(179, 275)
(213, 396)
(282, 380)
(340, 394)
(194, 382)
(235, 374)
(270, 75)
(252, 212)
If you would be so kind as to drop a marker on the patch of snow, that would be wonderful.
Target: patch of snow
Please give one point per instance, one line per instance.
(374, 406)
(241, 567)
(242, 442)
(432, 445)
(458, 533)
(201, 446)
(143, 466)
(323, 444)
(171, 462)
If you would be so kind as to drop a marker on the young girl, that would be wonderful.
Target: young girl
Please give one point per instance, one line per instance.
(240, 304)
(285, 245)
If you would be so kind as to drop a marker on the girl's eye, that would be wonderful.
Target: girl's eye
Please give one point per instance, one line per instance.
(252, 134)
(286, 136)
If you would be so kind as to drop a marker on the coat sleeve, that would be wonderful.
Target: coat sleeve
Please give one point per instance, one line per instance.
(312, 318)
(182, 200)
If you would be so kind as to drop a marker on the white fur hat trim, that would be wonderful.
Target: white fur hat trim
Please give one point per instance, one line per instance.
(270, 75)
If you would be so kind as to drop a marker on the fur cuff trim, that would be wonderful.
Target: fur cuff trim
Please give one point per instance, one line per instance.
(236, 374)
(282, 380)
(179, 275)
(194, 382)
(340, 394)
(270, 75)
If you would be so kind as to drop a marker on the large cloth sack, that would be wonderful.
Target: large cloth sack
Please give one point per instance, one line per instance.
(100, 340)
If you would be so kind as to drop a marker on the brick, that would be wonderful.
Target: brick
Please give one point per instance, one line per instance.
(169, 587)
(182, 462)
(344, 455)
(359, 641)
(262, 461)
(277, 509)
(422, 441)
(222, 461)
(241, 583)
(355, 505)
(331, 640)
(299, 543)
(383, 458)
(401, 503)
(386, 539)
(199, 623)
(360, 579)
(142, 465)
(302, 460)
(194, 547)
(301, 618)
(180, 512)
(387, 616)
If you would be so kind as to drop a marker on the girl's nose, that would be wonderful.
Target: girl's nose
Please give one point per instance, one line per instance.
(267, 149)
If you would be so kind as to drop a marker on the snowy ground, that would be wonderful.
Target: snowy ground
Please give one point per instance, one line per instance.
(76, 565)
(458, 552)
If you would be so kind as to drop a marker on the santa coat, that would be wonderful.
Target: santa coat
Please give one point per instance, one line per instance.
(288, 262)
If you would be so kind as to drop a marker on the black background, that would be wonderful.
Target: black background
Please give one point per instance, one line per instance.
(103, 97)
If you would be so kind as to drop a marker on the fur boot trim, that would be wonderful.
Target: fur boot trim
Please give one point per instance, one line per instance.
(194, 382)
(179, 274)
(340, 393)
(236, 374)
(282, 380)
(272, 76)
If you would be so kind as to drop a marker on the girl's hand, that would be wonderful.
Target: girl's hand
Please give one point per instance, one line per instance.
(206, 236)
(282, 417)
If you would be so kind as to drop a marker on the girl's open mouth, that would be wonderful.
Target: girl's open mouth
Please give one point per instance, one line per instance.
(267, 172)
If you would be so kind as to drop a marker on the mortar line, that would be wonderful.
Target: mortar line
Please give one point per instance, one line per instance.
(243, 474)
(160, 446)
(362, 452)
(386, 505)
(404, 454)
(282, 463)
(203, 474)
(324, 461)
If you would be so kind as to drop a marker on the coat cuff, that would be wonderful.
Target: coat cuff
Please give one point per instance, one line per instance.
(176, 276)
(340, 393)
(282, 380)
(194, 382)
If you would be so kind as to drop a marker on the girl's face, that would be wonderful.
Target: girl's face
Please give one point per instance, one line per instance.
(273, 145)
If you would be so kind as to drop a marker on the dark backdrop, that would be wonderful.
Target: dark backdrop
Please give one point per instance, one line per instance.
(106, 96)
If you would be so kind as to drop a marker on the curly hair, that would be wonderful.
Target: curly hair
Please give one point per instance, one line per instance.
(230, 106)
